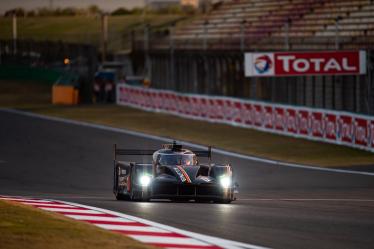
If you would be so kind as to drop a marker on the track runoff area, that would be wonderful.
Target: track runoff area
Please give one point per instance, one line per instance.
(145, 231)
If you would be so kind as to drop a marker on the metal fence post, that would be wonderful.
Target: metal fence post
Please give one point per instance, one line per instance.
(337, 38)
(205, 42)
(286, 37)
(205, 59)
(242, 35)
(370, 71)
(147, 69)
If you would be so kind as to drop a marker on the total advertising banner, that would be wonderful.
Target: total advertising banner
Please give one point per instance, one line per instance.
(281, 64)
(315, 124)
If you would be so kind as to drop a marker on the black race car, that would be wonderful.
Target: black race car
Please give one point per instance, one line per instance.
(175, 174)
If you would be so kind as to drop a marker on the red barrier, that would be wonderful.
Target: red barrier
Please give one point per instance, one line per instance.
(315, 124)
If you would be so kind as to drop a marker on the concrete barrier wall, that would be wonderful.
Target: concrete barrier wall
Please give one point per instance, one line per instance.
(341, 128)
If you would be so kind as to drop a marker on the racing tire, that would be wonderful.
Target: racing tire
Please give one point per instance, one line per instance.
(202, 200)
(138, 196)
(224, 201)
(121, 197)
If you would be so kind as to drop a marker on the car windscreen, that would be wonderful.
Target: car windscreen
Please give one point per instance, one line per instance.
(176, 159)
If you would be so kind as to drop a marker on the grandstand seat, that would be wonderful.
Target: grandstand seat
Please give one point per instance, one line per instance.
(312, 24)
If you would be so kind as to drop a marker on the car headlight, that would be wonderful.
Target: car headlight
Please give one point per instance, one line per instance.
(144, 180)
(225, 181)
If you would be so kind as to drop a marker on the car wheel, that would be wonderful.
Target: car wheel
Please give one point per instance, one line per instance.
(202, 200)
(121, 197)
(138, 196)
(223, 201)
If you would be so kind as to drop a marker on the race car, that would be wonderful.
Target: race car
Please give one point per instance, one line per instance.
(174, 174)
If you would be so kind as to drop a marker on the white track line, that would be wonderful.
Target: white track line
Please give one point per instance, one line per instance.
(302, 199)
(131, 228)
(165, 239)
(97, 218)
(219, 151)
(213, 240)
(75, 211)
(24, 200)
(39, 205)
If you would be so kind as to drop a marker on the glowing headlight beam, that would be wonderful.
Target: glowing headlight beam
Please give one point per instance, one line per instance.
(225, 182)
(144, 180)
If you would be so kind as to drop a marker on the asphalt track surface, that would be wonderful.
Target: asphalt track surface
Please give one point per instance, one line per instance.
(278, 206)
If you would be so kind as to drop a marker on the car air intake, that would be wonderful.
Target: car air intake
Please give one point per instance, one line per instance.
(186, 190)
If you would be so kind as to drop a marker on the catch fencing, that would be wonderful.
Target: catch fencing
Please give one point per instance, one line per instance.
(342, 128)
(214, 72)
(216, 67)
(79, 59)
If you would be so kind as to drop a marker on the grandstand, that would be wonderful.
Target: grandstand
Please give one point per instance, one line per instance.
(206, 54)
(269, 24)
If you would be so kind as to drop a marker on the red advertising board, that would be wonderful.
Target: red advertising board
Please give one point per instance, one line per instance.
(323, 125)
(268, 117)
(331, 126)
(361, 131)
(303, 118)
(305, 63)
(292, 124)
(346, 128)
(279, 118)
(317, 124)
(238, 108)
(258, 115)
(247, 114)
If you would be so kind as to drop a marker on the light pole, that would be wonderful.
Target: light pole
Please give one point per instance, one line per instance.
(144, 14)
(15, 34)
(104, 36)
(337, 27)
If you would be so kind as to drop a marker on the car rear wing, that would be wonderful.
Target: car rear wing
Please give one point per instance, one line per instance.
(131, 152)
(204, 153)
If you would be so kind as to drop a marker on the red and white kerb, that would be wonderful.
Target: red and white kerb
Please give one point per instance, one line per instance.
(130, 226)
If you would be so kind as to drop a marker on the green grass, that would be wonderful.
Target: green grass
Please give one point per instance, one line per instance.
(26, 227)
(242, 140)
(24, 94)
(79, 29)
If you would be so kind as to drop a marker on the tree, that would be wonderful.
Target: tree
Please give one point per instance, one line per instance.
(17, 11)
(121, 11)
(94, 10)
(69, 11)
(137, 11)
